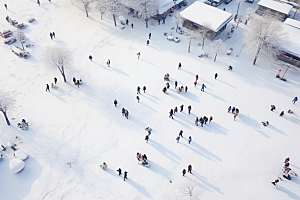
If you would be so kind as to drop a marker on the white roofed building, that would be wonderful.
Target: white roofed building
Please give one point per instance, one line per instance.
(275, 9)
(200, 14)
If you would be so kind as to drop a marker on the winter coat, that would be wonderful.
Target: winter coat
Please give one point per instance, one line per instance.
(203, 86)
(175, 110)
(144, 88)
(175, 83)
(178, 138)
(229, 108)
(295, 99)
(146, 137)
(190, 167)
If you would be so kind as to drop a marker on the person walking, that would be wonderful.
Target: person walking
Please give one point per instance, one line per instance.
(78, 83)
(195, 83)
(210, 119)
(131, 25)
(120, 171)
(138, 54)
(273, 107)
(127, 21)
(196, 121)
(147, 42)
(47, 88)
(49, 1)
(125, 175)
(205, 119)
(294, 100)
(55, 80)
(179, 65)
(190, 139)
(108, 63)
(138, 90)
(51, 35)
(116, 102)
(234, 116)
(144, 88)
(229, 108)
(168, 85)
(189, 109)
(203, 86)
(186, 88)
(164, 21)
(5, 6)
(74, 80)
(181, 108)
(175, 84)
(233, 109)
(281, 114)
(149, 36)
(197, 77)
(180, 133)
(201, 120)
(38, 2)
(147, 138)
(230, 68)
(178, 138)
(90, 57)
(190, 168)
(171, 113)
(175, 110)
(138, 99)
(183, 172)
(216, 75)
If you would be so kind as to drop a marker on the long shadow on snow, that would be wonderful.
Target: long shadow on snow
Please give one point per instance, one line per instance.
(160, 170)
(226, 84)
(182, 123)
(248, 121)
(121, 72)
(276, 129)
(191, 96)
(207, 154)
(216, 128)
(150, 108)
(292, 119)
(151, 99)
(139, 188)
(104, 67)
(215, 96)
(175, 96)
(203, 179)
(289, 193)
(164, 151)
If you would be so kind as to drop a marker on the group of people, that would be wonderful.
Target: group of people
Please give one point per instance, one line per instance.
(125, 112)
(77, 82)
(234, 110)
(23, 125)
(203, 120)
(52, 35)
(286, 172)
(189, 170)
(172, 112)
(181, 135)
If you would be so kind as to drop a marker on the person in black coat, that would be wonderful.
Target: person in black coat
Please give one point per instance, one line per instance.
(74, 80)
(115, 102)
(120, 171)
(175, 110)
(90, 57)
(5, 6)
(123, 111)
(175, 84)
(282, 113)
(149, 36)
(125, 175)
(180, 133)
(138, 90)
(181, 108)
(186, 88)
(55, 80)
(51, 35)
(190, 168)
(183, 172)
(47, 88)
(179, 65)
(146, 138)
(144, 88)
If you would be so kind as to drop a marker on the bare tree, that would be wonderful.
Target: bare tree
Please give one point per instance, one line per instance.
(238, 20)
(203, 32)
(100, 6)
(85, 4)
(115, 7)
(250, 13)
(264, 36)
(146, 9)
(177, 19)
(7, 103)
(239, 2)
(191, 36)
(20, 36)
(218, 47)
(58, 57)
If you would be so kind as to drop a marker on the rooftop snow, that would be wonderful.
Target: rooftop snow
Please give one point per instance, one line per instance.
(201, 13)
(292, 40)
(278, 6)
(293, 23)
(165, 5)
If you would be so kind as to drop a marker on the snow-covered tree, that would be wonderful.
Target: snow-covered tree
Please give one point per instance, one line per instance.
(250, 13)
(239, 2)
(20, 36)
(85, 4)
(177, 19)
(7, 104)
(238, 20)
(203, 32)
(146, 9)
(58, 57)
(191, 36)
(100, 6)
(264, 36)
(218, 47)
(115, 8)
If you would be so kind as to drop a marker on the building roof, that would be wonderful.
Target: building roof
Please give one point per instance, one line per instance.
(292, 42)
(278, 6)
(201, 13)
(292, 22)
(164, 5)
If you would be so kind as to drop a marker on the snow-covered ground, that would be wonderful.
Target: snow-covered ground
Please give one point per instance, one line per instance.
(230, 159)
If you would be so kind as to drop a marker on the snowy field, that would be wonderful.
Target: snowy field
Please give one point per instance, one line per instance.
(230, 159)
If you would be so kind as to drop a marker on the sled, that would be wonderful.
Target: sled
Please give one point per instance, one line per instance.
(31, 19)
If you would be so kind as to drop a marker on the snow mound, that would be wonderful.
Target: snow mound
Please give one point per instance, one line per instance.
(16, 165)
(21, 154)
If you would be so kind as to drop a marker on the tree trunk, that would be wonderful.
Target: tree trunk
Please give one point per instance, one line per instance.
(296, 12)
(215, 58)
(7, 121)
(101, 14)
(237, 24)
(254, 61)
(87, 14)
(176, 28)
(237, 12)
(115, 20)
(189, 45)
(202, 43)
(63, 74)
(22, 44)
(146, 23)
